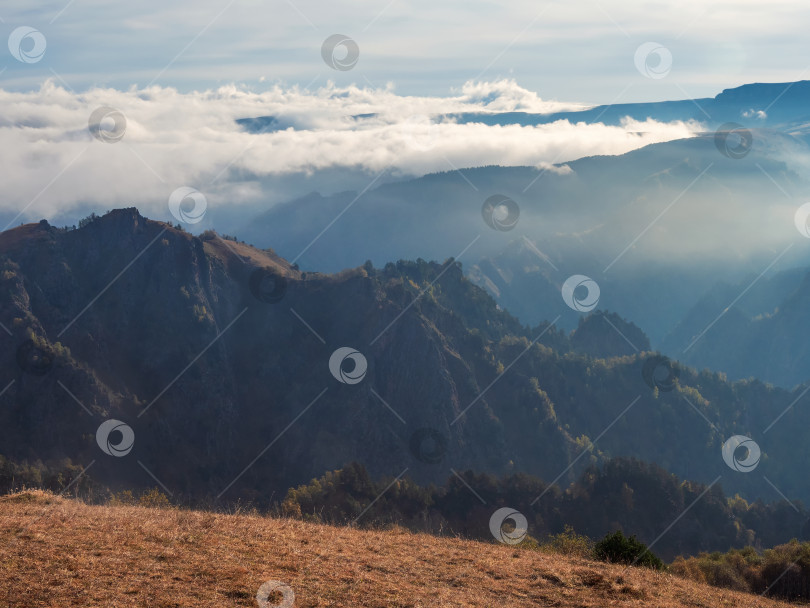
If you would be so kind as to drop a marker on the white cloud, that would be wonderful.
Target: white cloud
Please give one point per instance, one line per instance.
(507, 96)
(760, 114)
(52, 165)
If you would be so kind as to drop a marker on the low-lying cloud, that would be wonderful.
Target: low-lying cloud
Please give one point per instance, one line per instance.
(52, 165)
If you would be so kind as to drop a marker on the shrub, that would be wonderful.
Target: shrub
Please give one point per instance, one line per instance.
(783, 571)
(688, 568)
(123, 498)
(154, 498)
(569, 543)
(150, 498)
(618, 548)
(724, 574)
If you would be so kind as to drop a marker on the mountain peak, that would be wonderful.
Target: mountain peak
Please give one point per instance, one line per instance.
(761, 90)
(128, 219)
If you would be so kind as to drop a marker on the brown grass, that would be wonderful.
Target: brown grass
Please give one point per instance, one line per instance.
(59, 552)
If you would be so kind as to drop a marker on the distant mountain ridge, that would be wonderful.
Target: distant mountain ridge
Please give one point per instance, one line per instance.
(580, 221)
(762, 336)
(758, 104)
(658, 228)
(782, 105)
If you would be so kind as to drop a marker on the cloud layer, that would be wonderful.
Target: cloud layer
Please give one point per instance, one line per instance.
(53, 165)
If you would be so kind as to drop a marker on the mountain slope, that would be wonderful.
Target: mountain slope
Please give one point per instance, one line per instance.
(205, 372)
(653, 227)
(762, 335)
(131, 556)
(225, 381)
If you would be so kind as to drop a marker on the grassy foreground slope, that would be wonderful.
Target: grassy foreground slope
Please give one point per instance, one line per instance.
(61, 552)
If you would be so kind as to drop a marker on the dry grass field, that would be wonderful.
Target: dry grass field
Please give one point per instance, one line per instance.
(60, 552)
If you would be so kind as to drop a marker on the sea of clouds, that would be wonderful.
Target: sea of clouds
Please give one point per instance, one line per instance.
(52, 165)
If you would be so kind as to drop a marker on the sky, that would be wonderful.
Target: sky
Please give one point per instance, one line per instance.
(570, 51)
(180, 73)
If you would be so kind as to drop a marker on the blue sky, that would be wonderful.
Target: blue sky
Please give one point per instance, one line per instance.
(571, 51)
